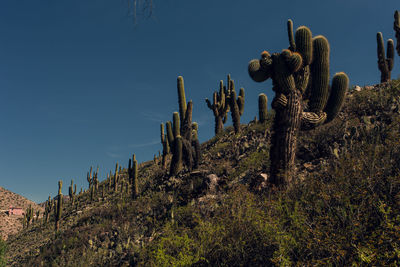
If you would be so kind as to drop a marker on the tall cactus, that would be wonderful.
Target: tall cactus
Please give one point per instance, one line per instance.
(262, 108)
(219, 107)
(236, 104)
(181, 98)
(385, 64)
(72, 192)
(176, 161)
(165, 144)
(135, 181)
(29, 215)
(58, 206)
(116, 176)
(302, 101)
(396, 27)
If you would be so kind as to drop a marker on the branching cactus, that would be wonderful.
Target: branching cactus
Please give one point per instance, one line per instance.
(262, 108)
(236, 104)
(302, 101)
(219, 107)
(385, 64)
(396, 27)
(58, 207)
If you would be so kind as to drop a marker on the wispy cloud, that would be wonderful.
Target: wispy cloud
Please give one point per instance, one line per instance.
(153, 116)
(114, 155)
(151, 143)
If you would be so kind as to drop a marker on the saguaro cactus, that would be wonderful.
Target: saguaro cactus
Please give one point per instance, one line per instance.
(302, 101)
(396, 27)
(385, 64)
(47, 210)
(236, 104)
(219, 107)
(262, 108)
(58, 207)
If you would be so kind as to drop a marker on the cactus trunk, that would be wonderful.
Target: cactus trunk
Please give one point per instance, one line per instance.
(284, 140)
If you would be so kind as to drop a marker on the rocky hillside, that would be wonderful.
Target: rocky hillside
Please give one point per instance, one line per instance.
(12, 224)
(343, 209)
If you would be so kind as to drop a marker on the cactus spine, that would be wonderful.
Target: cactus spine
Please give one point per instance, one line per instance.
(58, 206)
(302, 101)
(385, 64)
(262, 108)
(220, 107)
(396, 27)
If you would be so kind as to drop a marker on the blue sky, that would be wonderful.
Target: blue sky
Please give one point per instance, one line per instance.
(81, 85)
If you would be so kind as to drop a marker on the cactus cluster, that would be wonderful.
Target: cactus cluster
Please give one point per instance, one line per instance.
(224, 101)
(58, 206)
(303, 99)
(219, 107)
(385, 64)
(396, 27)
(180, 134)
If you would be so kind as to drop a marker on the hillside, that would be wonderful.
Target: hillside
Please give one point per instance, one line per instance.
(343, 209)
(12, 224)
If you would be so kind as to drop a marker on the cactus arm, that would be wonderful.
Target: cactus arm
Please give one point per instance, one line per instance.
(390, 54)
(176, 124)
(181, 98)
(292, 44)
(396, 27)
(340, 84)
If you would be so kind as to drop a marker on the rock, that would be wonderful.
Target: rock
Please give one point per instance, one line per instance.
(357, 88)
(212, 182)
(260, 182)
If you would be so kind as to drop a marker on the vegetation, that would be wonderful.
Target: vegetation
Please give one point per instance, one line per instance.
(3, 249)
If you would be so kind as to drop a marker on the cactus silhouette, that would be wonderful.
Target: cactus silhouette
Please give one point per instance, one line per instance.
(396, 27)
(58, 207)
(300, 77)
(385, 64)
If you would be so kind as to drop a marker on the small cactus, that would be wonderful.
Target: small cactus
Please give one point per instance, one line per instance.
(165, 144)
(262, 108)
(385, 64)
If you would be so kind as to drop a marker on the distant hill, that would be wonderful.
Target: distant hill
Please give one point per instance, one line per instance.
(12, 224)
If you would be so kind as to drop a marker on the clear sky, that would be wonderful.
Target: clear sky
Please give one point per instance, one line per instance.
(80, 85)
